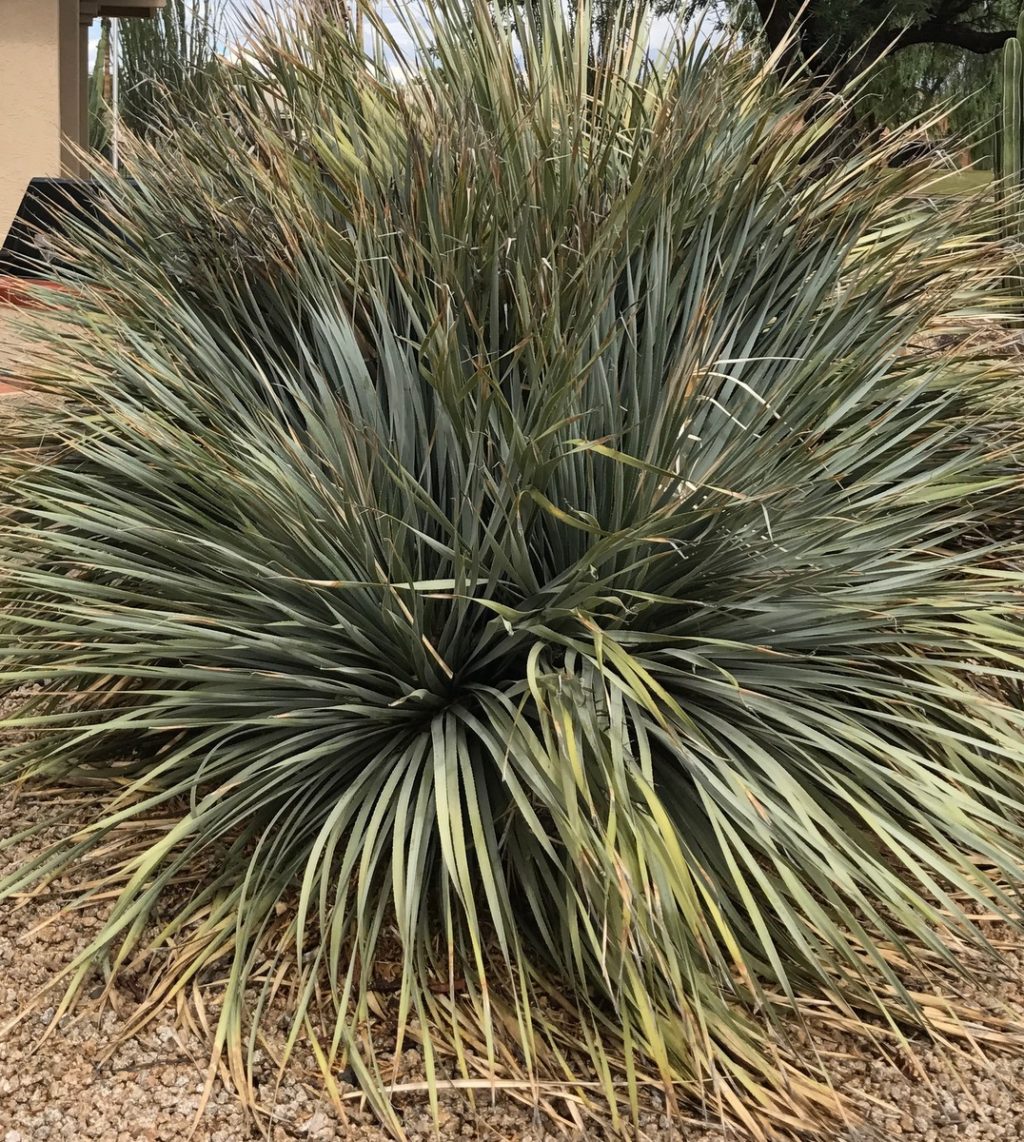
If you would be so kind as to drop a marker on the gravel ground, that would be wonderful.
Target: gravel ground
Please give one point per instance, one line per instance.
(83, 1082)
(72, 1086)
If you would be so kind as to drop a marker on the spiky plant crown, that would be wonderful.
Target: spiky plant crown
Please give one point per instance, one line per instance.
(503, 513)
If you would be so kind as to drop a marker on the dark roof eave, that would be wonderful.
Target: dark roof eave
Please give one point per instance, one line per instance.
(130, 8)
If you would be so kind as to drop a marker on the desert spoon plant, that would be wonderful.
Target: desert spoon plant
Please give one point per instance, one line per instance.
(504, 529)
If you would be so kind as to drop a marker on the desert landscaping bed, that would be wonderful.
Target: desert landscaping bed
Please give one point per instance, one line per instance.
(74, 1086)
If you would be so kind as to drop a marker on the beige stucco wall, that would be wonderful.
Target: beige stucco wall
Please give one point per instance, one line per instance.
(29, 98)
(68, 36)
(44, 90)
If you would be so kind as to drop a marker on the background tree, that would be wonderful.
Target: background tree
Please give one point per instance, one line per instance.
(166, 64)
(833, 33)
(938, 50)
(99, 94)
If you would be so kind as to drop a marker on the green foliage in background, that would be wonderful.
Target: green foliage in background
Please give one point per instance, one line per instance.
(926, 76)
(509, 576)
(836, 31)
(168, 65)
(933, 68)
(99, 109)
(167, 71)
